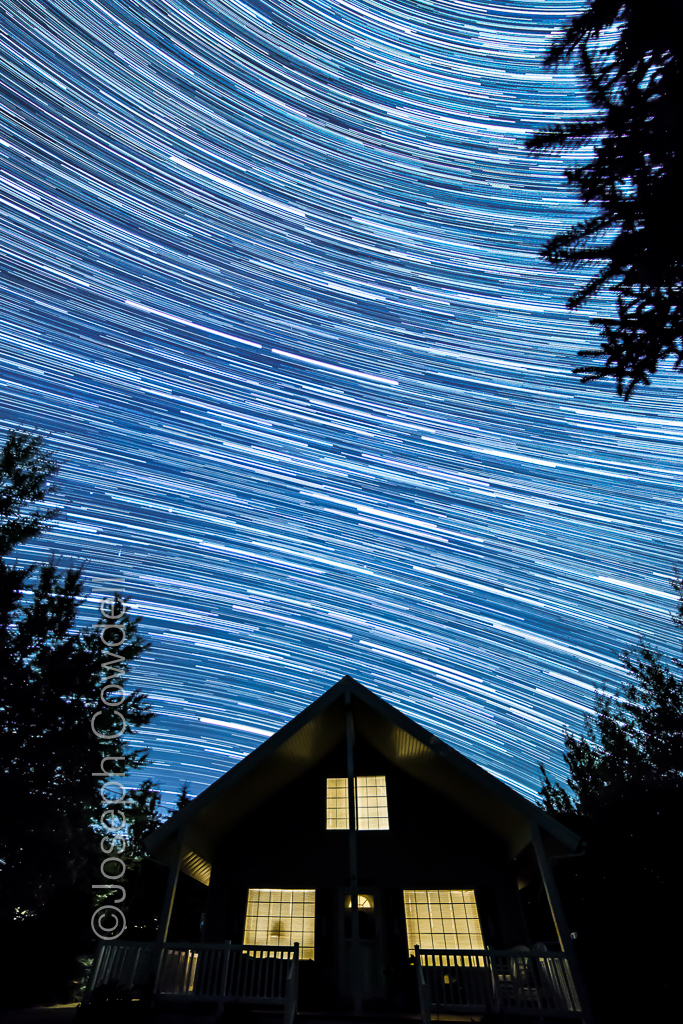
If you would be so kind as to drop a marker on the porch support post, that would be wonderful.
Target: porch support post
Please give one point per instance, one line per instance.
(560, 921)
(353, 861)
(169, 896)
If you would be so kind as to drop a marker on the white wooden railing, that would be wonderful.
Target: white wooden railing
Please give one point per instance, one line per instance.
(211, 972)
(474, 981)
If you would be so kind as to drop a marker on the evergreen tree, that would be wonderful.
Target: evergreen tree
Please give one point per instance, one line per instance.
(51, 679)
(58, 733)
(26, 471)
(143, 815)
(146, 882)
(633, 743)
(624, 796)
(629, 56)
(183, 798)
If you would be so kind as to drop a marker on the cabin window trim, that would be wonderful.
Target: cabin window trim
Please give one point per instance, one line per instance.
(442, 919)
(371, 808)
(281, 917)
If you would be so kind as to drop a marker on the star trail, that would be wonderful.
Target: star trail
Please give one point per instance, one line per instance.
(271, 289)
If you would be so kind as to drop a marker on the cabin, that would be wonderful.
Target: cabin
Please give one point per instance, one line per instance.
(354, 864)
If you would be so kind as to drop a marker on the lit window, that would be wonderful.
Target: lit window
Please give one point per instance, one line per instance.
(281, 917)
(364, 902)
(442, 919)
(372, 812)
(367, 926)
(371, 802)
(337, 803)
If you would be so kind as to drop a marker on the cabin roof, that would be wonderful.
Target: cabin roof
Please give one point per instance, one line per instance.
(308, 738)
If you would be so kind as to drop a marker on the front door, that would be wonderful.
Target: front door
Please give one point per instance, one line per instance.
(369, 970)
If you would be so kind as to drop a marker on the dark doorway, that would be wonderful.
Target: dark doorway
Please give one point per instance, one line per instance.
(371, 977)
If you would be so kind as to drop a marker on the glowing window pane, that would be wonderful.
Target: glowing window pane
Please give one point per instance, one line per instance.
(442, 919)
(281, 917)
(371, 802)
(337, 803)
(364, 902)
(372, 812)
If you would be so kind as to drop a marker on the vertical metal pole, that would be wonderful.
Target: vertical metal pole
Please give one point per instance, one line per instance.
(356, 991)
(561, 927)
(169, 896)
(165, 917)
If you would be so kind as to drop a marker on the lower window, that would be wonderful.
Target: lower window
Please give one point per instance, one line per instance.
(281, 917)
(442, 919)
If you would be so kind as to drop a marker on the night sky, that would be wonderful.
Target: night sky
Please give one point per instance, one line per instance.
(271, 288)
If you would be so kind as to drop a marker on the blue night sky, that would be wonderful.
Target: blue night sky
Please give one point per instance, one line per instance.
(271, 289)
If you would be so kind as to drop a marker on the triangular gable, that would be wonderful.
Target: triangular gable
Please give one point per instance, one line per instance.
(308, 738)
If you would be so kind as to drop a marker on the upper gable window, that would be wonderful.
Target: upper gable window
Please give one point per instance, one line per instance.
(372, 812)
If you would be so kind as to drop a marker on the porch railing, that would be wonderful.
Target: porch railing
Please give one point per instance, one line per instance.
(211, 972)
(474, 981)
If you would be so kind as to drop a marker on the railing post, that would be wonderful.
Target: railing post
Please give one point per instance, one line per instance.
(292, 988)
(223, 983)
(422, 990)
(495, 985)
(157, 969)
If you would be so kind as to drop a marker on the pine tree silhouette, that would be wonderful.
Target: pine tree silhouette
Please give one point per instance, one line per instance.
(51, 674)
(629, 57)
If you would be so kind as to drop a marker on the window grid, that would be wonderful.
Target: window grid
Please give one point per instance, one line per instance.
(372, 812)
(442, 919)
(281, 917)
(337, 803)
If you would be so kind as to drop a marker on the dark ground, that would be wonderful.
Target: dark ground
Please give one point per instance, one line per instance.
(40, 1015)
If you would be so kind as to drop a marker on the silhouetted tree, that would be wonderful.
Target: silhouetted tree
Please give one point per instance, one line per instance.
(624, 795)
(183, 798)
(633, 742)
(51, 676)
(629, 56)
(143, 815)
(26, 472)
(147, 880)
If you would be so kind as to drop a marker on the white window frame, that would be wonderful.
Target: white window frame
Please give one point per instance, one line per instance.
(281, 917)
(372, 811)
(442, 919)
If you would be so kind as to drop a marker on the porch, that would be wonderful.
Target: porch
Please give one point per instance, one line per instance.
(201, 974)
(536, 985)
